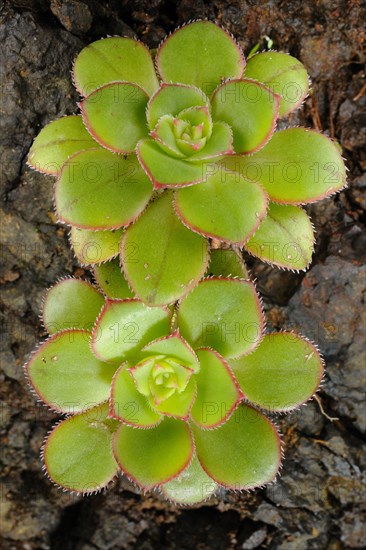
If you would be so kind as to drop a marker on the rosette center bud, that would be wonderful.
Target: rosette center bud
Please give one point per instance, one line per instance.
(159, 377)
(185, 134)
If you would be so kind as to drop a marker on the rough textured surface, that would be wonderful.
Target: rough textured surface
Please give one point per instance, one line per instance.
(317, 502)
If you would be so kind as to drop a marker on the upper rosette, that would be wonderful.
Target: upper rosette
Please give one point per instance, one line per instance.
(199, 124)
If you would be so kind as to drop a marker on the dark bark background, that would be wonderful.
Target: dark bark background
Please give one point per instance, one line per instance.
(318, 502)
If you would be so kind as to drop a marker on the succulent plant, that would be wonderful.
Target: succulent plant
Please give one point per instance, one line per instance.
(160, 161)
(174, 399)
(163, 369)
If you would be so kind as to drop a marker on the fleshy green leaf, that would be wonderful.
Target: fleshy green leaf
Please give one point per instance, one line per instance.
(95, 247)
(174, 347)
(226, 262)
(225, 206)
(251, 111)
(190, 147)
(285, 237)
(124, 327)
(200, 53)
(152, 457)
(111, 280)
(283, 74)
(243, 453)
(218, 393)
(141, 373)
(171, 99)
(99, 190)
(284, 372)
(297, 166)
(192, 486)
(78, 452)
(166, 171)
(71, 303)
(128, 404)
(170, 259)
(66, 375)
(223, 314)
(112, 59)
(179, 404)
(115, 116)
(58, 141)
